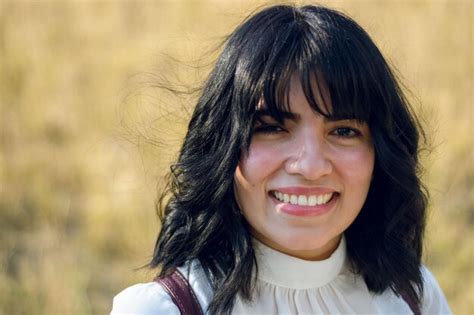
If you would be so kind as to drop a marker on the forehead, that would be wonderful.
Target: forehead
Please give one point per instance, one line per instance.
(314, 94)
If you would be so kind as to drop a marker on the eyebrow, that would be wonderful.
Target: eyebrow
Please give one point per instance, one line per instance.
(284, 114)
(293, 116)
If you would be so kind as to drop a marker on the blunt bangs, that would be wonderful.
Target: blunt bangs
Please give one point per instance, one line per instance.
(330, 55)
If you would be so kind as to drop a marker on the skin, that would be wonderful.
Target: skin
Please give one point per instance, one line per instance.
(308, 154)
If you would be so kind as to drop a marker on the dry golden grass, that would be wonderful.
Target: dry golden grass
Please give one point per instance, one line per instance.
(83, 145)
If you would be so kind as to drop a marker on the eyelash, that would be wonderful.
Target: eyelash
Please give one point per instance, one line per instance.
(269, 129)
(354, 132)
(274, 129)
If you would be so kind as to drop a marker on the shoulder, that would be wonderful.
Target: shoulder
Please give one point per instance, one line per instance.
(434, 301)
(144, 299)
(151, 298)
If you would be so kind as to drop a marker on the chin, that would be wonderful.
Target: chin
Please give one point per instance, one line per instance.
(308, 243)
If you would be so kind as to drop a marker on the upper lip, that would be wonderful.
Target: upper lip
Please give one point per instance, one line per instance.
(298, 190)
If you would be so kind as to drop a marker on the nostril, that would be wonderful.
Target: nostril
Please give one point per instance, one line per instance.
(309, 166)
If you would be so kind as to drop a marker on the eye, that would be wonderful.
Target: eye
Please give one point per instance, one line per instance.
(346, 132)
(268, 129)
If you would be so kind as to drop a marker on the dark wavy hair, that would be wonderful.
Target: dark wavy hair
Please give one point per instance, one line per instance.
(200, 217)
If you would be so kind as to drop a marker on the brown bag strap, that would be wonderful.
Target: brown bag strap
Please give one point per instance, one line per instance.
(413, 306)
(177, 286)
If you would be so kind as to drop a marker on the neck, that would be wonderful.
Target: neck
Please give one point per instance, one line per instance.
(312, 254)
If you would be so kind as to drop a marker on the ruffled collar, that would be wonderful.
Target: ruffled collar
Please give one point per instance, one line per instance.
(287, 271)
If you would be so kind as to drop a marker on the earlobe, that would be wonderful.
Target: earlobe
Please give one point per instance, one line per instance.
(237, 174)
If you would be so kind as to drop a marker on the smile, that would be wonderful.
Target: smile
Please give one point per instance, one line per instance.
(303, 200)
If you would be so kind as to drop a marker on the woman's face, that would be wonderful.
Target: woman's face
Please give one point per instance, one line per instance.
(303, 182)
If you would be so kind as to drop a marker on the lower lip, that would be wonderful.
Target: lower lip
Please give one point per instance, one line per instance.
(305, 211)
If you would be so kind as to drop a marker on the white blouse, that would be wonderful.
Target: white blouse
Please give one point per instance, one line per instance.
(288, 285)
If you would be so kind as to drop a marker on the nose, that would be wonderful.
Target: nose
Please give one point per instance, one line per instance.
(309, 158)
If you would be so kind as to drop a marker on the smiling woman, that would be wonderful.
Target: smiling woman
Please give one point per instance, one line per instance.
(296, 189)
(302, 182)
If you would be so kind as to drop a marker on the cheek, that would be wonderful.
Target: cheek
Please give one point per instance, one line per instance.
(251, 176)
(356, 165)
(260, 162)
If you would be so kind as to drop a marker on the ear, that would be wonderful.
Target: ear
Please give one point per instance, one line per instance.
(238, 177)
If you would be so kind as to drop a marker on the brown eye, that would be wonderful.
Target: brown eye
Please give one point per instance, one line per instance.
(268, 129)
(346, 132)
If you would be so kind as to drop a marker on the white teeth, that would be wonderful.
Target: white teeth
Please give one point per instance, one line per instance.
(327, 198)
(303, 200)
(320, 200)
(294, 199)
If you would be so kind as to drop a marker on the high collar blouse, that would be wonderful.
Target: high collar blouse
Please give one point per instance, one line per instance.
(288, 285)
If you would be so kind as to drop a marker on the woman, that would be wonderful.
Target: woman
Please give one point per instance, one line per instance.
(296, 189)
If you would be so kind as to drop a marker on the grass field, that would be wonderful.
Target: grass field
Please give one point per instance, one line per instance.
(86, 135)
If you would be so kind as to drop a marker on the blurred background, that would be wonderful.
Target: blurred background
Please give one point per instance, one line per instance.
(86, 134)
